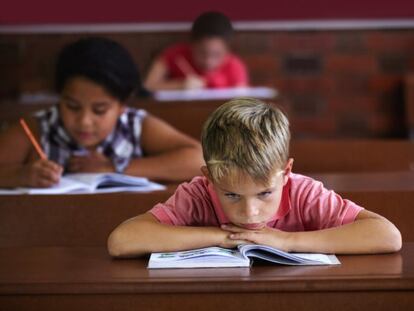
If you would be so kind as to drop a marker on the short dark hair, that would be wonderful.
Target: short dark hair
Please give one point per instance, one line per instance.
(101, 60)
(211, 24)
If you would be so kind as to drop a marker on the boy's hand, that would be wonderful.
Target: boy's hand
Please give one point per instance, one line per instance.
(266, 236)
(227, 242)
(41, 174)
(93, 162)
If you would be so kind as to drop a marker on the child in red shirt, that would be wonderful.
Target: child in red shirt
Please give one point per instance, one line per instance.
(205, 62)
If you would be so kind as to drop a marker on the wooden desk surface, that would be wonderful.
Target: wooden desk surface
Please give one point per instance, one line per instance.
(363, 182)
(87, 278)
(70, 220)
(352, 155)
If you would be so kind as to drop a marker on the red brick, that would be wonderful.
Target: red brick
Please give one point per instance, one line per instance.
(316, 42)
(301, 84)
(388, 41)
(383, 83)
(324, 127)
(339, 64)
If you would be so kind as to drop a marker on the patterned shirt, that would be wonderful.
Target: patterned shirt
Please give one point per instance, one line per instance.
(123, 144)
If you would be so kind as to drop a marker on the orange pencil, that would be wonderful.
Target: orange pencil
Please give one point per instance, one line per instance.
(33, 140)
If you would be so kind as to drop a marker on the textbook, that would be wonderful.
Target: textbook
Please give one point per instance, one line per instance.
(215, 94)
(242, 256)
(92, 183)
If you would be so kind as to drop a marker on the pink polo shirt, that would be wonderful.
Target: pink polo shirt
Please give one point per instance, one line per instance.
(232, 72)
(305, 205)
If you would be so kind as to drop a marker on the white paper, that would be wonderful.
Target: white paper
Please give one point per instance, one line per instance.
(215, 94)
(89, 183)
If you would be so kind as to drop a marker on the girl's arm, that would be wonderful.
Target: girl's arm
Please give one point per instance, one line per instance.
(144, 234)
(169, 154)
(157, 79)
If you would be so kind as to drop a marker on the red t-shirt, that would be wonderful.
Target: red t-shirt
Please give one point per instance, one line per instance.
(232, 72)
(305, 205)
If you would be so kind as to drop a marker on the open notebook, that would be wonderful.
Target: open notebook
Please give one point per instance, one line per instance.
(92, 183)
(215, 94)
(216, 257)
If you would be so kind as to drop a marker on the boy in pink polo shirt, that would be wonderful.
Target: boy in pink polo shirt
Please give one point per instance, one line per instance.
(249, 195)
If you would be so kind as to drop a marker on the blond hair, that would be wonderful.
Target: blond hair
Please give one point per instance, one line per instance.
(246, 135)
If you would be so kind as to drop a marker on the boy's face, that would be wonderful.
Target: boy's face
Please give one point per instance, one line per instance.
(249, 204)
(209, 53)
(89, 113)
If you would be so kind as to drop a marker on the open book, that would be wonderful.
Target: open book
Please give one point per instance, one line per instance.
(216, 257)
(92, 183)
(215, 94)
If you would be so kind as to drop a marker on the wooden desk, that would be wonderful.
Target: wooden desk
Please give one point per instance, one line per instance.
(70, 220)
(365, 182)
(359, 155)
(397, 206)
(82, 278)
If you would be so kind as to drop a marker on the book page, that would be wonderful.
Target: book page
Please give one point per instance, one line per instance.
(215, 94)
(278, 256)
(86, 183)
(199, 258)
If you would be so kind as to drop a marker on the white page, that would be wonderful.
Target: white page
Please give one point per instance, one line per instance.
(215, 94)
(85, 183)
(276, 255)
(208, 257)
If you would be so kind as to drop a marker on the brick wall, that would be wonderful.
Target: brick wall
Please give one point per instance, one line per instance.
(336, 83)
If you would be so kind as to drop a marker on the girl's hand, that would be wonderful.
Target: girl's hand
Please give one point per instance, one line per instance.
(41, 174)
(94, 162)
(192, 82)
(266, 236)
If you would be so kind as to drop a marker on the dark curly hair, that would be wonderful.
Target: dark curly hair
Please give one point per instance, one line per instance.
(104, 62)
(211, 24)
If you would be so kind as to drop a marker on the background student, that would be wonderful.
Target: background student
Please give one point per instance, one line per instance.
(92, 129)
(249, 195)
(205, 62)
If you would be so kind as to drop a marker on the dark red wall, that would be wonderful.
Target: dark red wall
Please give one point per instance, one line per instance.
(94, 11)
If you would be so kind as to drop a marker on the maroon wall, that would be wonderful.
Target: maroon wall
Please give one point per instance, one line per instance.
(94, 11)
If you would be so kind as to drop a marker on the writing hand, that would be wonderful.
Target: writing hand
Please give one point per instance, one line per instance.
(41, 173)
(193, 81)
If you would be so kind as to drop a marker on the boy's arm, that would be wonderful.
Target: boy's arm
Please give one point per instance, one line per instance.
(370, 233)
(144, 234)
(169, 154)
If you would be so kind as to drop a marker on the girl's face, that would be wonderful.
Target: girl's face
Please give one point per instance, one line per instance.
(209, 53)
(89, 113)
